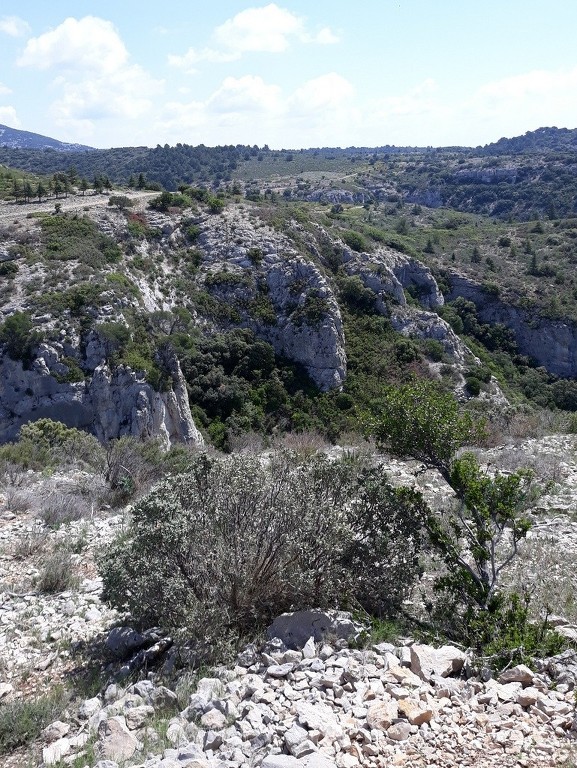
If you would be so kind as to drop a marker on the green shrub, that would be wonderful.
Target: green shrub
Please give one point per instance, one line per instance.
(354, 240)
(21, 722)
(8, 269)
(221, 550)
(19, 337)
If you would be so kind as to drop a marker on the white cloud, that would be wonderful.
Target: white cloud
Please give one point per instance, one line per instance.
(269, 29)
(246, 94)
(9, 117)
(88, 45)
(14, 26)
(95, 80)
(127, 94)
(540, 91)
(325, 92)
(249, 110)
(4, 90)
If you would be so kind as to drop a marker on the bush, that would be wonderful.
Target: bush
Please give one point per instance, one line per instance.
(223, 549)
(355, 241)
(57, 574)
(21, 722)
(19, 337)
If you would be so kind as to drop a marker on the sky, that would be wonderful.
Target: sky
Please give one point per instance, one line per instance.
(288, 74)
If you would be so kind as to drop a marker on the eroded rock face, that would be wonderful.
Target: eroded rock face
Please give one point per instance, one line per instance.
(108, 403)
(552, 343)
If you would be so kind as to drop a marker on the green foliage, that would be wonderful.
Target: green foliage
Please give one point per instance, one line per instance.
(281, 536)
(47, 443)
(8, 269)
(121, 202)
(21, 722)
(354, 240)
(477, 537)
(420, 420)
(70, 237)
(19, 337)
(357, 297)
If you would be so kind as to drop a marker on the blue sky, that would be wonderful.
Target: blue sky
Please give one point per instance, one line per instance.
(288, 74)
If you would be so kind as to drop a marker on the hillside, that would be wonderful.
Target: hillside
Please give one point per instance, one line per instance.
(303, 381)
(16, 139)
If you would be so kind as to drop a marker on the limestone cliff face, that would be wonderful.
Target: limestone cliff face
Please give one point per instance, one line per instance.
(249, 267)
(108, 403)
(552, 343)
(388, 273)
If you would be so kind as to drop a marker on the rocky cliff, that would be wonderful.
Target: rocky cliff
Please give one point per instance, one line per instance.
(109, 402)
(247, 267)
(552, 343)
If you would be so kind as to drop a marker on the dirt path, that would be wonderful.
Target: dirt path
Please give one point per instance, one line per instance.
(18, 211)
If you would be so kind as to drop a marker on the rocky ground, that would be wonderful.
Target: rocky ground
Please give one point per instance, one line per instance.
(321, 704)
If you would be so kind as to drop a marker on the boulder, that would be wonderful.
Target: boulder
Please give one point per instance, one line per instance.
(295, 629)
(115, 740)
(427, 661)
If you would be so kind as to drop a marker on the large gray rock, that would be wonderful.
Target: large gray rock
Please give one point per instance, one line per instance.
(427, 661)
(108, 403)
(121, 642)
(115, 741)
(295, 629)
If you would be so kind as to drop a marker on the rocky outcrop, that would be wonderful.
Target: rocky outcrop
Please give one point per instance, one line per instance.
(552, 343)
(420, 324)
(247, 266)
(110, 403)
(389, 273)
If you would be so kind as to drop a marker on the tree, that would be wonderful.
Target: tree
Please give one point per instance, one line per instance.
(40, 191)
(84, 185)
(121, 202)
(477, 537)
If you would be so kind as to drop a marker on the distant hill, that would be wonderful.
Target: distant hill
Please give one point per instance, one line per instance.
(15, 139)
(541, 140)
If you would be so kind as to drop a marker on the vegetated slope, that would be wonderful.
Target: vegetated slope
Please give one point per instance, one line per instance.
(16, 139)
(288, 305)
(276, 317)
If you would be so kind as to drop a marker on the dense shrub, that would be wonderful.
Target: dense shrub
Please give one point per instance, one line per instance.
(19, 337)
(222, 549)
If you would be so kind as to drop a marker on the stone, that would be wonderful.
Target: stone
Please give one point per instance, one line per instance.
(517, 674)
(56, 751)
(427, 661)
(526, 697)
(319, 717)
(295, 629)
(399, 731)
(115, 740)
(280, 670)
(212, 740)
(280, 761)
(88, 708)
(136, 717)
(121, 642)
(294, 736)
(381, 714)
(213, 720)
(55, 731)
(414, 712)
(309, 649)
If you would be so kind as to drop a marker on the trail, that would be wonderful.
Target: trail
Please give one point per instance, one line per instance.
(10, 211)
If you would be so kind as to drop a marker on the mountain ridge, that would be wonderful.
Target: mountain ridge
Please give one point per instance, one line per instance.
(17, 139)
